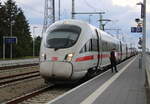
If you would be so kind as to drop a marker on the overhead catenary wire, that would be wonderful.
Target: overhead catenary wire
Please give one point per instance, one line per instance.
(89, 5)
(31, 8)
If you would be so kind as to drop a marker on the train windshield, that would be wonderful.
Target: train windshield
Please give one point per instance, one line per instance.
(64, 36)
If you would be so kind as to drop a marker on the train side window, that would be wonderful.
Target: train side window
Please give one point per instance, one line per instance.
(114, 45)
(83, 49)
(91, 44)
(87, 47)
(104, 46)
(117, 47)
(94, 45)
(109, 46)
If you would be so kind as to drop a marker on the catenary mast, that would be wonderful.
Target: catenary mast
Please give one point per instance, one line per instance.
(49, 14)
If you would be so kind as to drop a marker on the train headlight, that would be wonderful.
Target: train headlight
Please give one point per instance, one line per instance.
(43, 56)
(69, 57)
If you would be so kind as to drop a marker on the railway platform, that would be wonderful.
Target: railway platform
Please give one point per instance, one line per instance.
(124, 87)
(7, 63)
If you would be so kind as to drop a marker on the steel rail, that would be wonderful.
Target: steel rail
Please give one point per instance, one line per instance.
(19, 79)
(17, 75)
(29, 95)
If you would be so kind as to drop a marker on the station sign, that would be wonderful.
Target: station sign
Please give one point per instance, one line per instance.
(136, 29)
(10, 40)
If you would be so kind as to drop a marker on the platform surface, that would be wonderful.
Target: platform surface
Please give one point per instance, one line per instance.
(18, 62)
(124, 87)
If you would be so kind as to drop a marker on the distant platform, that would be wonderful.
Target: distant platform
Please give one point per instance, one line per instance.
(19, 62)
(124, 87)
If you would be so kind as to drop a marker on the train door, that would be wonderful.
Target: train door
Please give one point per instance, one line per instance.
(99, 48)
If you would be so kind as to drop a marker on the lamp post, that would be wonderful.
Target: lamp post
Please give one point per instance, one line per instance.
(11, 30)
(143, 16)
(34, 27)
(103, 24)
(144, 31)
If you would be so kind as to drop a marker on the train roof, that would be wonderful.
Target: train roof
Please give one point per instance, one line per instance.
(69, 21)
(107, 36)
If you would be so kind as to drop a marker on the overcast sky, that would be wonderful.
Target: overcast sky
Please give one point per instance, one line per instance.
(121, 12)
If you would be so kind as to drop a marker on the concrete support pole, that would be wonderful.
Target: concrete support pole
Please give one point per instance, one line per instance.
(144, 36)
(11, 36)
(73, 9)
(3, 48)
(33, 42)
(53, 11)
(100, 22)
(34, 27)
(59, 10)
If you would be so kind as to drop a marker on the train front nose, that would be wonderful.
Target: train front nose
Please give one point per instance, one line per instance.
(56, 70)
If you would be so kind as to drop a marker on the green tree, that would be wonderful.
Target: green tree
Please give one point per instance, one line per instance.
(11, 11)
(1, 30)
(2, 27)
(13, 17)
(22, 31)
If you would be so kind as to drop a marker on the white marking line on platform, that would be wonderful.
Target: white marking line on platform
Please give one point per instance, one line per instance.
(91, 98)
(70, 91)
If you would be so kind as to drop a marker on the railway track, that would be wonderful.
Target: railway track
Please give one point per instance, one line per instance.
(18, 77)
(42, 95)
(39, 95)
(29, 95)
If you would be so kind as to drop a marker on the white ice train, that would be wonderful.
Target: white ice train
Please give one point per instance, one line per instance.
(72, 48)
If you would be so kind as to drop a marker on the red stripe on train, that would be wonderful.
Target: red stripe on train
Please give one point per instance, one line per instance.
(85, 58)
